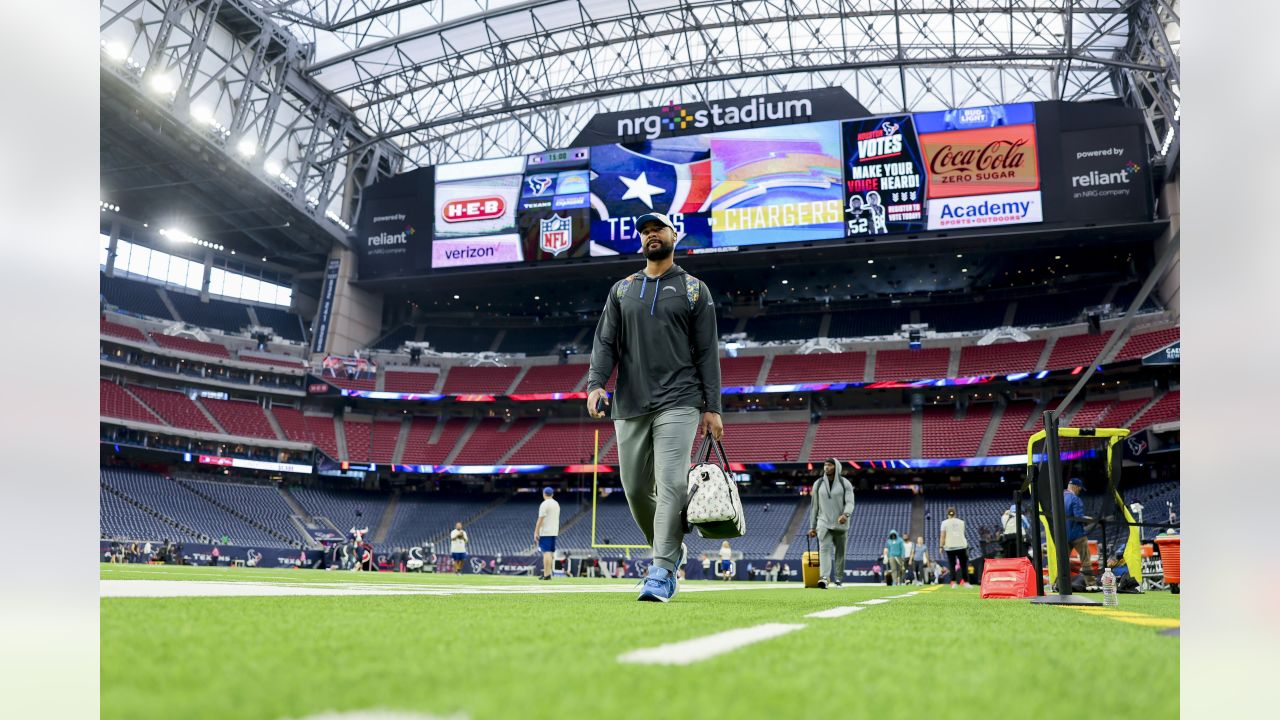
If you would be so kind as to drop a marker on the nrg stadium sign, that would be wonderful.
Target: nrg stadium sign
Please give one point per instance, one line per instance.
(678, 119)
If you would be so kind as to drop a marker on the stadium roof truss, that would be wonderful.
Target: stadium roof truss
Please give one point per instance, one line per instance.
(418, 83)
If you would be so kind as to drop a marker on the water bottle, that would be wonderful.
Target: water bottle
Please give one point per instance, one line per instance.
(1109, 598)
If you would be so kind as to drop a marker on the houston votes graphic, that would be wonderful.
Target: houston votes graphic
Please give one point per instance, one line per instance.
(884, 177)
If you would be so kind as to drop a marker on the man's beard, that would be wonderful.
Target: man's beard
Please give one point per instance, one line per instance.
(662, 252)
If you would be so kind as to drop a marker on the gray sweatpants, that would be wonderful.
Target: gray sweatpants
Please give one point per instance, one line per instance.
(653, 460)
(831, 544)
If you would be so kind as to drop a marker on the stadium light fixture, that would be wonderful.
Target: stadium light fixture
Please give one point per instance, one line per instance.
(202, 114)
(784, 282)
(272, 167)
(162, 83)
(871, 262)
(247, 147)
(455, 297)
(115, 50)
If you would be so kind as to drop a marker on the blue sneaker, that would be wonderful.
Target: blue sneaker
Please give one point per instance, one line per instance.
(659, 585)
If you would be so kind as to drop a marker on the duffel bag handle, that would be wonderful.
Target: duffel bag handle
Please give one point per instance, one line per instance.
(710, 445)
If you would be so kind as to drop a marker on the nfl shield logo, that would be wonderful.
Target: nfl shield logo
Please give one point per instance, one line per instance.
(557, 234)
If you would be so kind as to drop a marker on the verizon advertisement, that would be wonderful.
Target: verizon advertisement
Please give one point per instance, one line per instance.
(1106, 171)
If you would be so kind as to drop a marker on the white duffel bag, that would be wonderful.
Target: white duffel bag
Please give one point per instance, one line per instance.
(713, 505)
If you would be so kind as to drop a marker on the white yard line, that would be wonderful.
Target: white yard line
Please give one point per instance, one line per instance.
(214, 588)
(836, 612)
(704, 648)
(874, 601)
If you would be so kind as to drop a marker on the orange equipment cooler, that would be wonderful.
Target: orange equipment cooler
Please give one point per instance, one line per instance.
(1170, 558)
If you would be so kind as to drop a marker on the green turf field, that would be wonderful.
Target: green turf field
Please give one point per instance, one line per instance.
(485, 648)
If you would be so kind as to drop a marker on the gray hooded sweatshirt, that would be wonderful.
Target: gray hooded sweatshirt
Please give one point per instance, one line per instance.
(661, 335)
(830, 500)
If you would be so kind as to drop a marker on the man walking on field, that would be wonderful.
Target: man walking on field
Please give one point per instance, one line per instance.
(831, 504)
(659, 329)
(546, 529)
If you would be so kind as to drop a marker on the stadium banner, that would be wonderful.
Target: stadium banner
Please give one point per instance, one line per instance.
(223, 461)
(320, 332)
(830, 172)
(884, 177)
(985, 211)
(251, 556)
(776, 185)
(983, 161)
(668, 175)
(1105, 169)
(682, 119)
(1170, 354)
(392, 234)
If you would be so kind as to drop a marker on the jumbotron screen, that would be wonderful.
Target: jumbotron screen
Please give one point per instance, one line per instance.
(871, 177)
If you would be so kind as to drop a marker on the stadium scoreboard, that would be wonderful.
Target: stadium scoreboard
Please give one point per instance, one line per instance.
(868, 178)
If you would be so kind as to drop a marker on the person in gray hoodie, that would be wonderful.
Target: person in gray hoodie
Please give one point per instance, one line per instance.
(658, 328)
(830, 507)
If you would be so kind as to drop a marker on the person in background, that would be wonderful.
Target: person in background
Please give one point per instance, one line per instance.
(706, 567)
(896, 551)
(147, 552)
(831, 505)
(215, 553)
(1011, 530)
(546, 529)
(919, 560)
(726, 561)
(908, 546)
(1076, 537)
(956, 546)
(458, 546)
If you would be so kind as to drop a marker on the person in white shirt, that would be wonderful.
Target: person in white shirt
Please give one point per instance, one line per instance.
(458, 547)
(726, 561)
(546, 529)
(956, 545)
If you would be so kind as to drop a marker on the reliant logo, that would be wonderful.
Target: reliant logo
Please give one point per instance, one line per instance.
(384, 239)
(1093, 177)
(484, 208)
(676, 117)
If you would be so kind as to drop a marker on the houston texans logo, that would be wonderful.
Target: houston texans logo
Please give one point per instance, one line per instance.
(889, 127)
(477, 565)
(1137, 446)
(538, 184)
